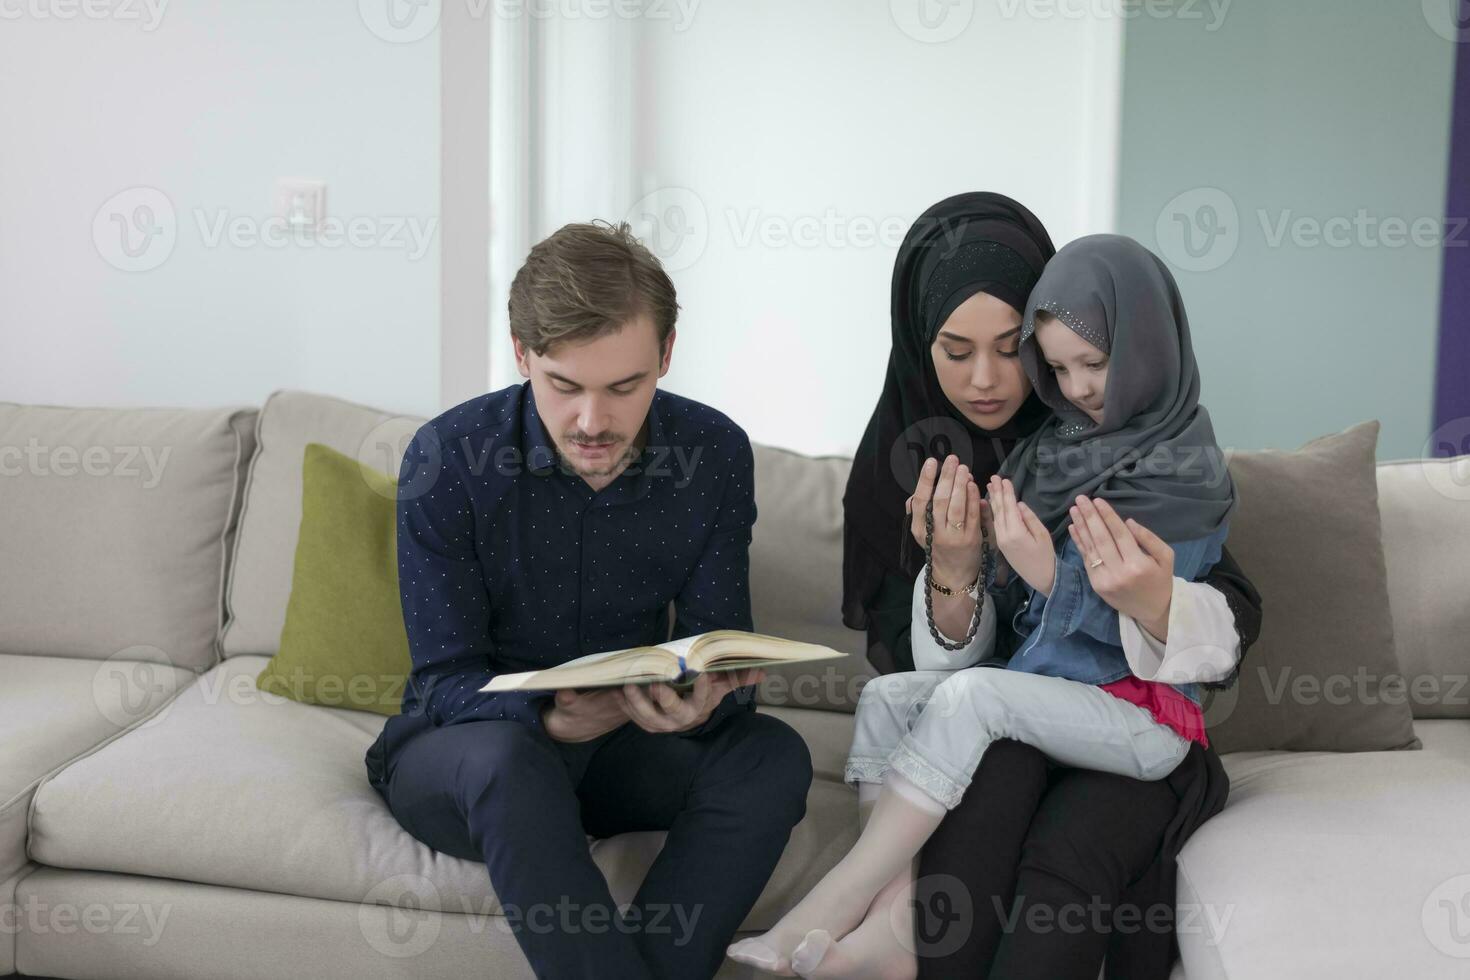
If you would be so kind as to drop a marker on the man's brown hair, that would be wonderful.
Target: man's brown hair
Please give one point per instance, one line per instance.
(586, 280)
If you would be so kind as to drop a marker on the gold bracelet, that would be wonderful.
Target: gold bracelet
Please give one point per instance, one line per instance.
(945, 590)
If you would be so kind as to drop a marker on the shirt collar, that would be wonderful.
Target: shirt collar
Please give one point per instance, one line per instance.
(543, 460)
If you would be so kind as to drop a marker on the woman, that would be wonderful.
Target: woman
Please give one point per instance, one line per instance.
(1029, 837)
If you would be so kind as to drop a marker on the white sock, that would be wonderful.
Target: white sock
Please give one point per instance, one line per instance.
(867, 797)
(901, 821)
(910, 791)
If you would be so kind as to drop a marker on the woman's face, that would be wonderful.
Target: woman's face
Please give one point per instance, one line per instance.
(975, 357)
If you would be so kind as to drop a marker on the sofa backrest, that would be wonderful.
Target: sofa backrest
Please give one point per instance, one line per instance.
(270, 518)
(115, 524)
(119, 538)
(1425, 509)
(796, 577)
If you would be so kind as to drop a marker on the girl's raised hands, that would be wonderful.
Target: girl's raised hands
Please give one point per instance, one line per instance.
(1129, 567)
(1021, 537)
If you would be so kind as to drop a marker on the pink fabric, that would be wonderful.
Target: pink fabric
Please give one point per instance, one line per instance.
(1167, 705)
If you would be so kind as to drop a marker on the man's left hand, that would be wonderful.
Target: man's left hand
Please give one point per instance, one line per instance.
(659, 708)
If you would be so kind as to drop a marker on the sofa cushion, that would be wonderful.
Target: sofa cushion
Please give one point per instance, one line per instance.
(344, 643)
(265, 551)
(1330, 865)
(1425, 508)
(268, 793)
(233, 786)
(796, 577)
(145, 928)
(1323, 675)
(10, 918)
(53, 709)
(117, 525)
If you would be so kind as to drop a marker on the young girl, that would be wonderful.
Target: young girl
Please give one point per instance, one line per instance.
(1106, 344)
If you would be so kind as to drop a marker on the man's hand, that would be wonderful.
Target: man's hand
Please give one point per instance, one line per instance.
(1022, 538)
(660, 708)
(574, 717)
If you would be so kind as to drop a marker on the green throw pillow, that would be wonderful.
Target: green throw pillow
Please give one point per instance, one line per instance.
(343, 644)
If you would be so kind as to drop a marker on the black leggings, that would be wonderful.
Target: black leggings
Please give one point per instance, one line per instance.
(1018, 880)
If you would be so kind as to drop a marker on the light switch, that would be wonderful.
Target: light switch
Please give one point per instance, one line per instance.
(301, 203)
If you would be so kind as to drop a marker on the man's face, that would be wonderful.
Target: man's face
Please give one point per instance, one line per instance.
(593, 396)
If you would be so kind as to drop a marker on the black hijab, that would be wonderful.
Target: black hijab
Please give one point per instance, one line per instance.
(969, 243)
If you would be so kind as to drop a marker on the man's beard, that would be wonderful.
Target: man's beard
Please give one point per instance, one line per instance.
(614, 464)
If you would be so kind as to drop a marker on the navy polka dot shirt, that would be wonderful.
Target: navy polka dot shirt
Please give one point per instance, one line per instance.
(508, 562)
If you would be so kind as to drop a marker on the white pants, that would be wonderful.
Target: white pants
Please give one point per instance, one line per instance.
(933, 726)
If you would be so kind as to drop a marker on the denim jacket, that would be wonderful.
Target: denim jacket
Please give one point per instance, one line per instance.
(1073, 633)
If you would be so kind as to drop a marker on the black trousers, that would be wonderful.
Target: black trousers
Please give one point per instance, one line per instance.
(1020, 879)
(498, 792)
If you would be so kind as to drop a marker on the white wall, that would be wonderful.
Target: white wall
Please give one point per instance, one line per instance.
(779, 153)
(788, 146)
(209, 107)
(765, 119)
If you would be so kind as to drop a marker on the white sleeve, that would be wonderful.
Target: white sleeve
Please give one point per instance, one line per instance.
(1202, 645)
(929, 655)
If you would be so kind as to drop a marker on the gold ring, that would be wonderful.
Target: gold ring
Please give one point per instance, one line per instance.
(1094, 563)
(958, 527)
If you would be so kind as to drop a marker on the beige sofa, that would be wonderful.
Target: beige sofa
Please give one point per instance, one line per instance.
(162, 818)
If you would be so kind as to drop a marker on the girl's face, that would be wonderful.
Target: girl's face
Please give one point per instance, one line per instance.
(1080, 368)
(975, 357)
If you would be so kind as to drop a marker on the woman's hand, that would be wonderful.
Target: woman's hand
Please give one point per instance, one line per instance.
(1136, 576)
(958, 520)
(1022, 538)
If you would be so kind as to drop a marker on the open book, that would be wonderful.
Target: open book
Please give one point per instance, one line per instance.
(676, 662)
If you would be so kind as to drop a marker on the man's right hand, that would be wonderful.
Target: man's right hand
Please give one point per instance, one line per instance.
(574, 717)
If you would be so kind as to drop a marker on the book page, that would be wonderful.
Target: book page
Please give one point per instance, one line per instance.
(610, 668)
(681, 647)
(592, 658)
(734, 649)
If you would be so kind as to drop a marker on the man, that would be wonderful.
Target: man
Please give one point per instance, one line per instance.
(560, 518)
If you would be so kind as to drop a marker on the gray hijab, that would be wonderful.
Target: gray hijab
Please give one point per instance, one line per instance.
(1153, 456)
